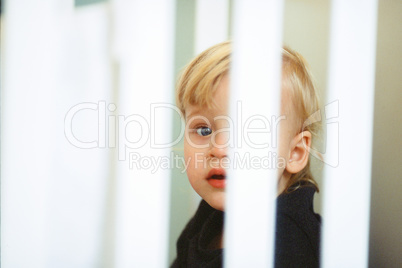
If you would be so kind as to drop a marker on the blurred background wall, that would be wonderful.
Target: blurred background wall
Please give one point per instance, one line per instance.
(386, 215)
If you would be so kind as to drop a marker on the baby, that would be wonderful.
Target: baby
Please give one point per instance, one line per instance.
(202, 96)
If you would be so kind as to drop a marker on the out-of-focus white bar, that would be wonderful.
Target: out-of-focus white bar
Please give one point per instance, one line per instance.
(52, 191)
(143, 46)
(348, 169)
(255, 83)
(24, 174)
(212, 17)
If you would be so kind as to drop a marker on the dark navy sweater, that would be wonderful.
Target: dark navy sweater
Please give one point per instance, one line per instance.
(297, 235)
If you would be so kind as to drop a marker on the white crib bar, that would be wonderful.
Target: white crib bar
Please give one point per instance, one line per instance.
(52, 191)
(255, 77)
(211, 22)
(24, 173)
(144, 49)
(348, 170)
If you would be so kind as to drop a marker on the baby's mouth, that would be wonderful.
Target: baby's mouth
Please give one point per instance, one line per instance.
(217, 178)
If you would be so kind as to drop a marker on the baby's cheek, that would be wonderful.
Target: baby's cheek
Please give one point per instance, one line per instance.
(187, 150)
(193, 174)
(189, 162)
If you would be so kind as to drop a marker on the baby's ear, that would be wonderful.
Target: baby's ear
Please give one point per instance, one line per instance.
(299, 152)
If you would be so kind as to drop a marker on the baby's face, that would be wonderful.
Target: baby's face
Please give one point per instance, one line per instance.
(205, 147)
(207, 141)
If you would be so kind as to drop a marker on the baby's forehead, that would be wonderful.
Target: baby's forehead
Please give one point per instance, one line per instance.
(203, 104)
(214, 102)
(194, 111)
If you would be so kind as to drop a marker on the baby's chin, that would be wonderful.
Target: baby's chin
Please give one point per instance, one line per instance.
(217, 201)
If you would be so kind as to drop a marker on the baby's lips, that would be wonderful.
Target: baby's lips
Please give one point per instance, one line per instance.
(216, 172)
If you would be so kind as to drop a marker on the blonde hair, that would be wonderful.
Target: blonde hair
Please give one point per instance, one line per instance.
(298, 80)
(200, 79)
(202, 75)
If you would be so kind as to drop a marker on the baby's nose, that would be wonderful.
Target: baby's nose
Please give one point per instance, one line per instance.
(219, 145)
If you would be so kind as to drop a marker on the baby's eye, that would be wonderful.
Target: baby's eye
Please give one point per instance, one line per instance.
(204, 131)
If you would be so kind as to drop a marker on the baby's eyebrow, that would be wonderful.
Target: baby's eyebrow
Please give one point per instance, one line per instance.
(194, 113)
(198, 116)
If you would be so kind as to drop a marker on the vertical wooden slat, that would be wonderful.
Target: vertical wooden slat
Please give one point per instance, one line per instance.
(52, 187)
(348, 170)
(24, 175)
(144, 50)
(255, 84)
